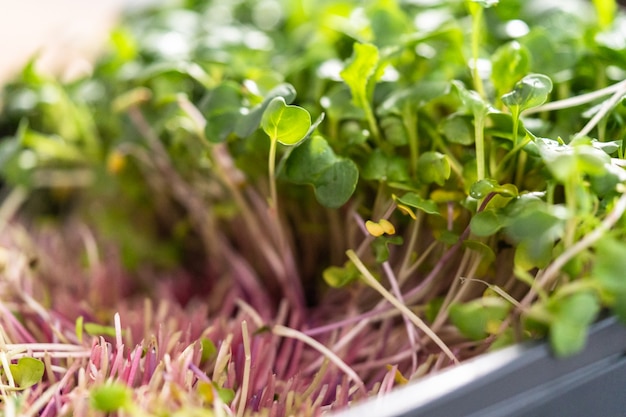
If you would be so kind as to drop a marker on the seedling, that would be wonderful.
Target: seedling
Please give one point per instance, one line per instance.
(284, 124)
(316, 202)
(25, 373)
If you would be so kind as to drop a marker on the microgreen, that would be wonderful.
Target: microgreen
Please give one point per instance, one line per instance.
(481, 317)
(314, 162)
(111, 398)
(479, 109)
(27, 372)
(284, 124)
(296, 185)
(361, 75)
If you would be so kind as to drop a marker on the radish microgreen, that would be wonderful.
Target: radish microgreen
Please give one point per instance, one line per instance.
(293, 186)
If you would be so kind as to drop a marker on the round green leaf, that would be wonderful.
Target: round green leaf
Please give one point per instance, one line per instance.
(530, 91)
(458, 129)
(338, 277)
(111, 397)
(314, 162)
(27, 372)
(285, 123)
(486, 223)
(572, 316)
(222, 109)
(307, 161)
(337, 183)
(383, 167)
(482, 188)
(567, 338)
(511, 62)
(472, 101)
(608, 268)
(433, 167)
(414, 200)
(250, 122)
(473, 318)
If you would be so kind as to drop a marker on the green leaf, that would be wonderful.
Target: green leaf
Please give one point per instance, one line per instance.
(381, 247)
(414, 200)
(433, 167)
(536, 227)
(474, 318)
(619, 306)
(412, 98)
(251, 121)
(381, 166)
(111, 397)
(95, 329)
(510, 62)
(572, 315)
(486, 223)
(27, 372)
(314, 162)
(574, 159)
(337, 183)
(580, 307)
(208, 389)
(284, 123)
(608, 268)
(540, 223)
(472, 101)
(361, 68)
(432, 308)
(458, 128)
(533, 253)
(307, 162)
(394, 130)
(208, 349)
(530, 91)
(222, 109)
(338, 277)
(486, 186)
(227, 395)
(51, 147)
(567, 338)
(487, 254)
(388, 22)
(339, 104)
(78, 328)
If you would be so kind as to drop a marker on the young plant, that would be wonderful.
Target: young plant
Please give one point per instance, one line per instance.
(446, 210)
(285, 124)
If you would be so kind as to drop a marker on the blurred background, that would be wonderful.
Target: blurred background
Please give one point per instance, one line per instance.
(65, 33)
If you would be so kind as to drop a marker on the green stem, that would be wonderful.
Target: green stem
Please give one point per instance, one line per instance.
(410, 123)
(477, 18)
(440, 144)
(521, 161)
(479, 133)
(371, 120)
(570, 201)
(410, 246)
(273, 202)
(521, 165)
